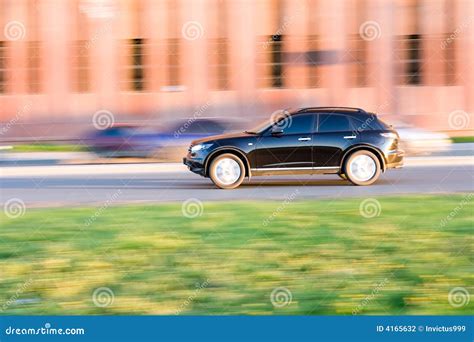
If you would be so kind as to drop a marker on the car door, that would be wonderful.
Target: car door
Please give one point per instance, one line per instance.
(334, 135)
(287, 143)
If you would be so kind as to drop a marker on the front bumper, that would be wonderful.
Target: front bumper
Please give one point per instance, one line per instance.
(195, 165)
(395, 159)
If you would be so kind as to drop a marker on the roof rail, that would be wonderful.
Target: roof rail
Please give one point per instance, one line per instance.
(345, 109)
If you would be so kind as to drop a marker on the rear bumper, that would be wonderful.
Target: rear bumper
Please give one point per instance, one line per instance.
(195, 166)
(395, 159)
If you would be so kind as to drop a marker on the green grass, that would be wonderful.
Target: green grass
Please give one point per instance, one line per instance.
(463, 139)
(48, 148)
(229, 259)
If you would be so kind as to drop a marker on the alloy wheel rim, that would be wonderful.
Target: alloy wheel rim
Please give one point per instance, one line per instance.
(227, 171)
(363, 168)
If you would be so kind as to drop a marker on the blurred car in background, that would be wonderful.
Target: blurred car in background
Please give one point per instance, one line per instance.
(416, 140)
(167, 143)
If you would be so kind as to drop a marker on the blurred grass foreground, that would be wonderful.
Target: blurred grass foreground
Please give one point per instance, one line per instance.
(297, 257)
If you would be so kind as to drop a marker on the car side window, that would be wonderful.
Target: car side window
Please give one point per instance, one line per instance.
(333, 123)
(296, 124)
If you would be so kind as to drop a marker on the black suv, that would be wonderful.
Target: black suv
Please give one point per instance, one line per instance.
(349, 142)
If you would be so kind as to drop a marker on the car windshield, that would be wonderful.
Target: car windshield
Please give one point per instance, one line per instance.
(260, 127)
(276, 116)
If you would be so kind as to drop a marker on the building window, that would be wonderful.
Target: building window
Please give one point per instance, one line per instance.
(409, 56)
(174, 50)
(81, 67)
(449, 43)
(277, 61)
(137, 64)
(314, 75)
(3, 67)
(134, 68)
(218, 63)
(271, 62)
(34, 66)
(357, 57)
(450, 60)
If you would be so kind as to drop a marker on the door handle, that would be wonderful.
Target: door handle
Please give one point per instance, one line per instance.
(350, 137)
(304, 139)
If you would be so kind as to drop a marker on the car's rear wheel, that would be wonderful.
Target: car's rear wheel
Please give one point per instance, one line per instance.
(227, 171)
(362, 168)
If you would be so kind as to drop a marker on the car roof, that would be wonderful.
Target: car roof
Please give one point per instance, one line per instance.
(330, 110)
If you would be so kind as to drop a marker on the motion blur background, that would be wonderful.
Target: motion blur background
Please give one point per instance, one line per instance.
(155, 60)
(130, 78)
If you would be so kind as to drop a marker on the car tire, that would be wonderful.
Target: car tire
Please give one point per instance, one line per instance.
(227, 171)
(362, 168)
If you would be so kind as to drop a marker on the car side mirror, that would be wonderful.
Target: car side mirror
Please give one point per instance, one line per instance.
(276, 130)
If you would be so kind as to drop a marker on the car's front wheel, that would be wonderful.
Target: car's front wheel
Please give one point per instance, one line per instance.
(227, 171)
(362, 168)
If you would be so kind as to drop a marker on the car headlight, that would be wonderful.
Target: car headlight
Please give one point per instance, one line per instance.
(389, 135)
(200, 147)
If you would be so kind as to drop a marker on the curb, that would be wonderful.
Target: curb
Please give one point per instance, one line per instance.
(117, 169)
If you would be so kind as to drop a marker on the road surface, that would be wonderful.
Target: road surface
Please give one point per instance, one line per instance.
(100, 189)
